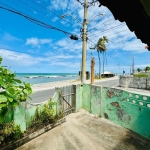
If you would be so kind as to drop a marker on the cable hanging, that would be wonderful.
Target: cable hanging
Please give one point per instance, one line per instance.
(38, 22)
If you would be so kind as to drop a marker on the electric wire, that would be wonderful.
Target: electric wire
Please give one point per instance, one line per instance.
(111, 54)
(106, 30)
(100, 24)
(43, 5)
(38, 22)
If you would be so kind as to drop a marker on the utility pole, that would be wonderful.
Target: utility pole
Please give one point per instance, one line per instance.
(84, 42)
(130, 70)
(92, 70)
(118, 70)
(132, 65)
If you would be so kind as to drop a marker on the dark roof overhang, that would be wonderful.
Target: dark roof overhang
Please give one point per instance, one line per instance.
(136, 14)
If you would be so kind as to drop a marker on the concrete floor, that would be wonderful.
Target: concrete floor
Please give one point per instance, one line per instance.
(82, 131)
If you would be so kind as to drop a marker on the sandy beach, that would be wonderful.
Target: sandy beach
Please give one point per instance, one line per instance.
(51, 85)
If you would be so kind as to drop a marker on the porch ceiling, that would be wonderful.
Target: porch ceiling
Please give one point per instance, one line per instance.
(136, 14)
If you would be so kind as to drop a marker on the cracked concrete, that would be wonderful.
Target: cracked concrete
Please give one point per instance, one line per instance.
(82, 131)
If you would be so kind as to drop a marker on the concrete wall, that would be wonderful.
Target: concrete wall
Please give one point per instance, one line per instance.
(22, 114)
(134, 82)
(129, 110)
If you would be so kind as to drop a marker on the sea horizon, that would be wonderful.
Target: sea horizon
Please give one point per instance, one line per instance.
(39, 78)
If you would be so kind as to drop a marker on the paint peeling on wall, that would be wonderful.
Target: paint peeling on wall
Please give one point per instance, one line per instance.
(124, 108)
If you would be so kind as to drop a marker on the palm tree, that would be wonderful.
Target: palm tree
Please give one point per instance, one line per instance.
(147, 68)
(139, 69)
(101, 48)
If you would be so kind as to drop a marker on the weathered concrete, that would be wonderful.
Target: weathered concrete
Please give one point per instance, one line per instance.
(125, 108)
(82, 131)
(134, 82)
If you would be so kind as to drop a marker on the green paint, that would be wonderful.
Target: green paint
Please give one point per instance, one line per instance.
(22, 114)
(9, 116)
(19, 116)
(127, 109)
(78, 96)
(86, 94)
(29, 114)
(96, 100)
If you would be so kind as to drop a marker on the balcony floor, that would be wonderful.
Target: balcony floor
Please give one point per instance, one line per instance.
(82, 131)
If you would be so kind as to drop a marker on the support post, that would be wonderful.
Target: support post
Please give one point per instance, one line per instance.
(92, 70)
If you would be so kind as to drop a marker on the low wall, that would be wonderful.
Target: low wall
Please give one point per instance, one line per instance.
(22, 114)
(134, 82)
(127, 109)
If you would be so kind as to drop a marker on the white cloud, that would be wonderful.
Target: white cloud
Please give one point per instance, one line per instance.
(17, 59)
(9, 37)
(22, 59)
(35, 42)
(57, 4)
(69, 45)
(55, 19)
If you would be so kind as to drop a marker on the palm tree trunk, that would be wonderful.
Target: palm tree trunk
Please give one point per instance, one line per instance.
(99, 63)
(103, 63)
(106, 58)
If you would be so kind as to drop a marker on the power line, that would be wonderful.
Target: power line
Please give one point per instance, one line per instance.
(90, 3)
(111, 54)
(100, 24)
(32, 7)
(43, 5)
(106, 30)
(38, 22)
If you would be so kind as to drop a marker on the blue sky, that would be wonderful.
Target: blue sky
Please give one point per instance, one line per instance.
(27, 47)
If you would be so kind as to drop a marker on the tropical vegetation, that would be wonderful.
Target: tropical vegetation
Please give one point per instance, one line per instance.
(101, 48)
(140, 75)
(139, 69)
(147, 68)
(12, 91)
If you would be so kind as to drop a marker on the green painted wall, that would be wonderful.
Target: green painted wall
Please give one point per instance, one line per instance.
(22, 114)
(78, 96)
(96, 100)
(19, 116)
(86, 96)
(129, 110)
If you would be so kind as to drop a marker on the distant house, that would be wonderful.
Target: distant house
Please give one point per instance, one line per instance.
(107, 74)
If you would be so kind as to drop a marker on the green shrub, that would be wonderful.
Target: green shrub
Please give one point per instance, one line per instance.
(9, 132)
(44, 115)
(140, 75)
(12, 91)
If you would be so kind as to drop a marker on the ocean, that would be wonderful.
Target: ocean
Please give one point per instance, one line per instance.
(38, 78)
